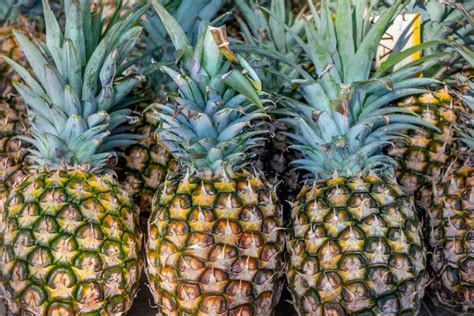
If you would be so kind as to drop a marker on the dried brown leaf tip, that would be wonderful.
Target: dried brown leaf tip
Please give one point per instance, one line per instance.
(220, 36)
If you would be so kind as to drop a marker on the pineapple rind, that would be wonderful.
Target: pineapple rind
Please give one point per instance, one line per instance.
(424, 155)
(216, 246)
(355, 247)
(71, 245)
(146, 163)
(451, 220)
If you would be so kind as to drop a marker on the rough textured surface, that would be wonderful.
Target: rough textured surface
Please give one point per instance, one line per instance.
(146, 163)
(355, 246)
(13, 152)
(143, 306)
(72, 245)
(451, 231)
(13, 116)
(215, 246)
(425, 154)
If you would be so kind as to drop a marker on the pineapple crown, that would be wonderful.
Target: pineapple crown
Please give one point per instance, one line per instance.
(208, 126)
(345, 121)
(189, 14)
(76, 107)
(265, 36)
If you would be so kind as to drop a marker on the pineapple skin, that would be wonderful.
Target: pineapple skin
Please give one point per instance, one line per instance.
(274, 159)
(13, 152)
(355, 246)
(451, 222)
(71, 245)
(215, 246)
(423, 156)
(146, 163)
(13, 119)
(8, 48)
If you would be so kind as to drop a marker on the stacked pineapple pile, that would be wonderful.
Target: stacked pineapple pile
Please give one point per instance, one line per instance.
(209, 135)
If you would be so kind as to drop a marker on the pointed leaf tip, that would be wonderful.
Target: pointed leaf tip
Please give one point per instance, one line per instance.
(237, 81)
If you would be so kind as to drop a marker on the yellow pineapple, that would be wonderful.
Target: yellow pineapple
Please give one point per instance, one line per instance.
(424, 154)
(216, 241)
(71, 240)
(355, 242)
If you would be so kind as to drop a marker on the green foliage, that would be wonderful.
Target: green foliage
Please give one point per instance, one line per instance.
(346, 119)
(268, 38)
(189, 15)
(77, 107)
(217, 115)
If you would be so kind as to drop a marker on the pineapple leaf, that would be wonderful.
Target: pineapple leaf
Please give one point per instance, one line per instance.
(54, 35)
(33, 55)
(241, 84)
(25, 75)
(179, 38)
(397, 58)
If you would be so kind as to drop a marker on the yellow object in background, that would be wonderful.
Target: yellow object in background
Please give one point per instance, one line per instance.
(408, 25)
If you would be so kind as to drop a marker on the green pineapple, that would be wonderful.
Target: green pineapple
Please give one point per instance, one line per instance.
(71, 241)
(215, 243)
(355, 242)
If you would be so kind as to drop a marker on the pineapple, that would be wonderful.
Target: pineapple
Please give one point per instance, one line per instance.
(450, 217)
(215, 244)
(71, 241)
(355, 242)
(451, 229)
(147, 163)
(424, 154)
